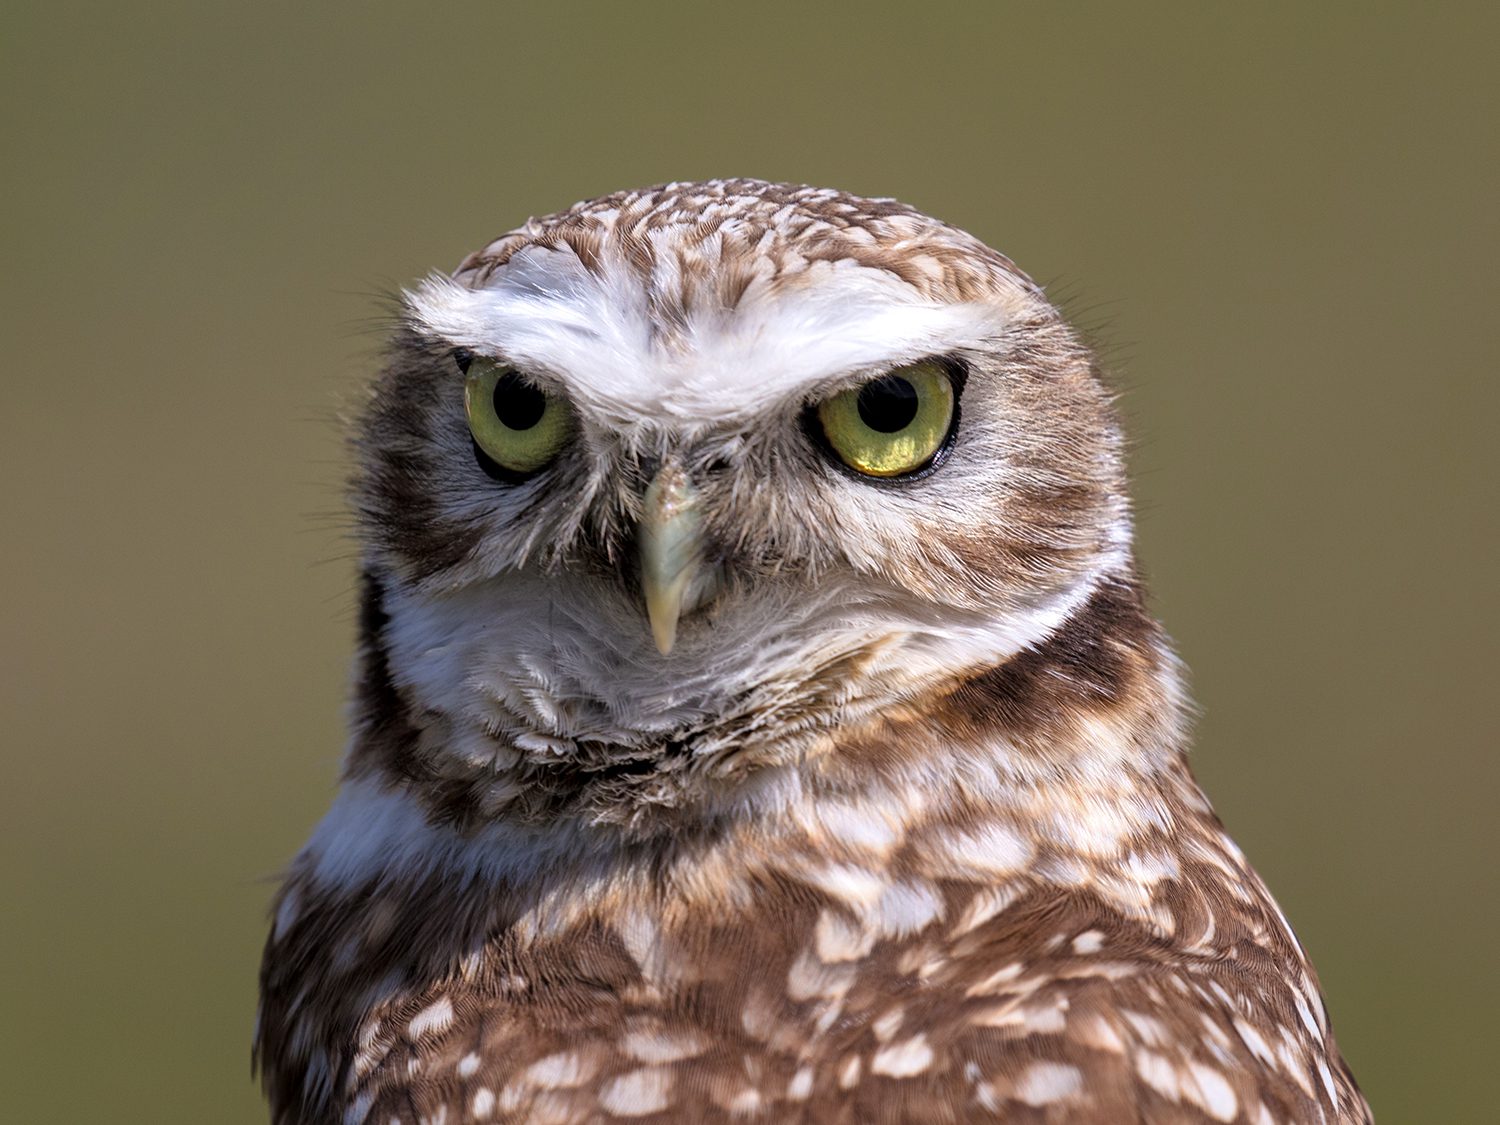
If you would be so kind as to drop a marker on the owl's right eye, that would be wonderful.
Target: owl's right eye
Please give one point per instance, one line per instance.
(517, 424)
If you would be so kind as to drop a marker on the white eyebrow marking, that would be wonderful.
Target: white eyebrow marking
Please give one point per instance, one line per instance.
(544, 312)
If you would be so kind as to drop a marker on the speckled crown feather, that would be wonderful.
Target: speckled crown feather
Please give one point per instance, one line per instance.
(723, 233)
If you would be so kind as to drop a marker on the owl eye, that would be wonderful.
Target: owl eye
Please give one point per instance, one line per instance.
(516, 424)
(893, 425)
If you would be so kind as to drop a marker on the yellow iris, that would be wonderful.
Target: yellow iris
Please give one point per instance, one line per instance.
(891, 425)
(516, 423)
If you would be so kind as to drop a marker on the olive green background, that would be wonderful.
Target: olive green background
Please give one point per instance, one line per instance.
(1279, 223)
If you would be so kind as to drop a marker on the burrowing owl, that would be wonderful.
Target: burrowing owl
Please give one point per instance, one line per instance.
(757, 717)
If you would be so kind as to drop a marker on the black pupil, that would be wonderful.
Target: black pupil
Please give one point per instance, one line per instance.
(887, 405)
(518, 404)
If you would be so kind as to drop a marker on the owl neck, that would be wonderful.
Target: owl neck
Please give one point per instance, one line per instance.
(1091, 710)
(1057, 773)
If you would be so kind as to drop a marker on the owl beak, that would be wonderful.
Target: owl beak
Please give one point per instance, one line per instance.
(671, 546)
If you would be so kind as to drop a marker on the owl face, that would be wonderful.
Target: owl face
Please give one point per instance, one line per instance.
(669, 463)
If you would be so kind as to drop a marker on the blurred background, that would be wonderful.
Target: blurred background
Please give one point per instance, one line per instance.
(1278, 222)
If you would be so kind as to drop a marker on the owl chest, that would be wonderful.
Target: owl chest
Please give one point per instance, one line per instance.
(806, 1005)
(949, 999)
(631, 1021)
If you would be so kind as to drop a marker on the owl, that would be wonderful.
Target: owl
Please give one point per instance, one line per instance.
(756, 717)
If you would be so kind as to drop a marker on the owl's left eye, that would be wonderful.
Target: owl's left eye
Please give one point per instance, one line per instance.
(516, 424)
(892, 426)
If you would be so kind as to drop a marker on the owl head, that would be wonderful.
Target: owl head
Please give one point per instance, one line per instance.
(691, 473)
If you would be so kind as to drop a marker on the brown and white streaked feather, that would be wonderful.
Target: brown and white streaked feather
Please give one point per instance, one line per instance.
(904, 832)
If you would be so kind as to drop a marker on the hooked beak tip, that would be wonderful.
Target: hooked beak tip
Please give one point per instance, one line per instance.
(664, 631)
(670, 545)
